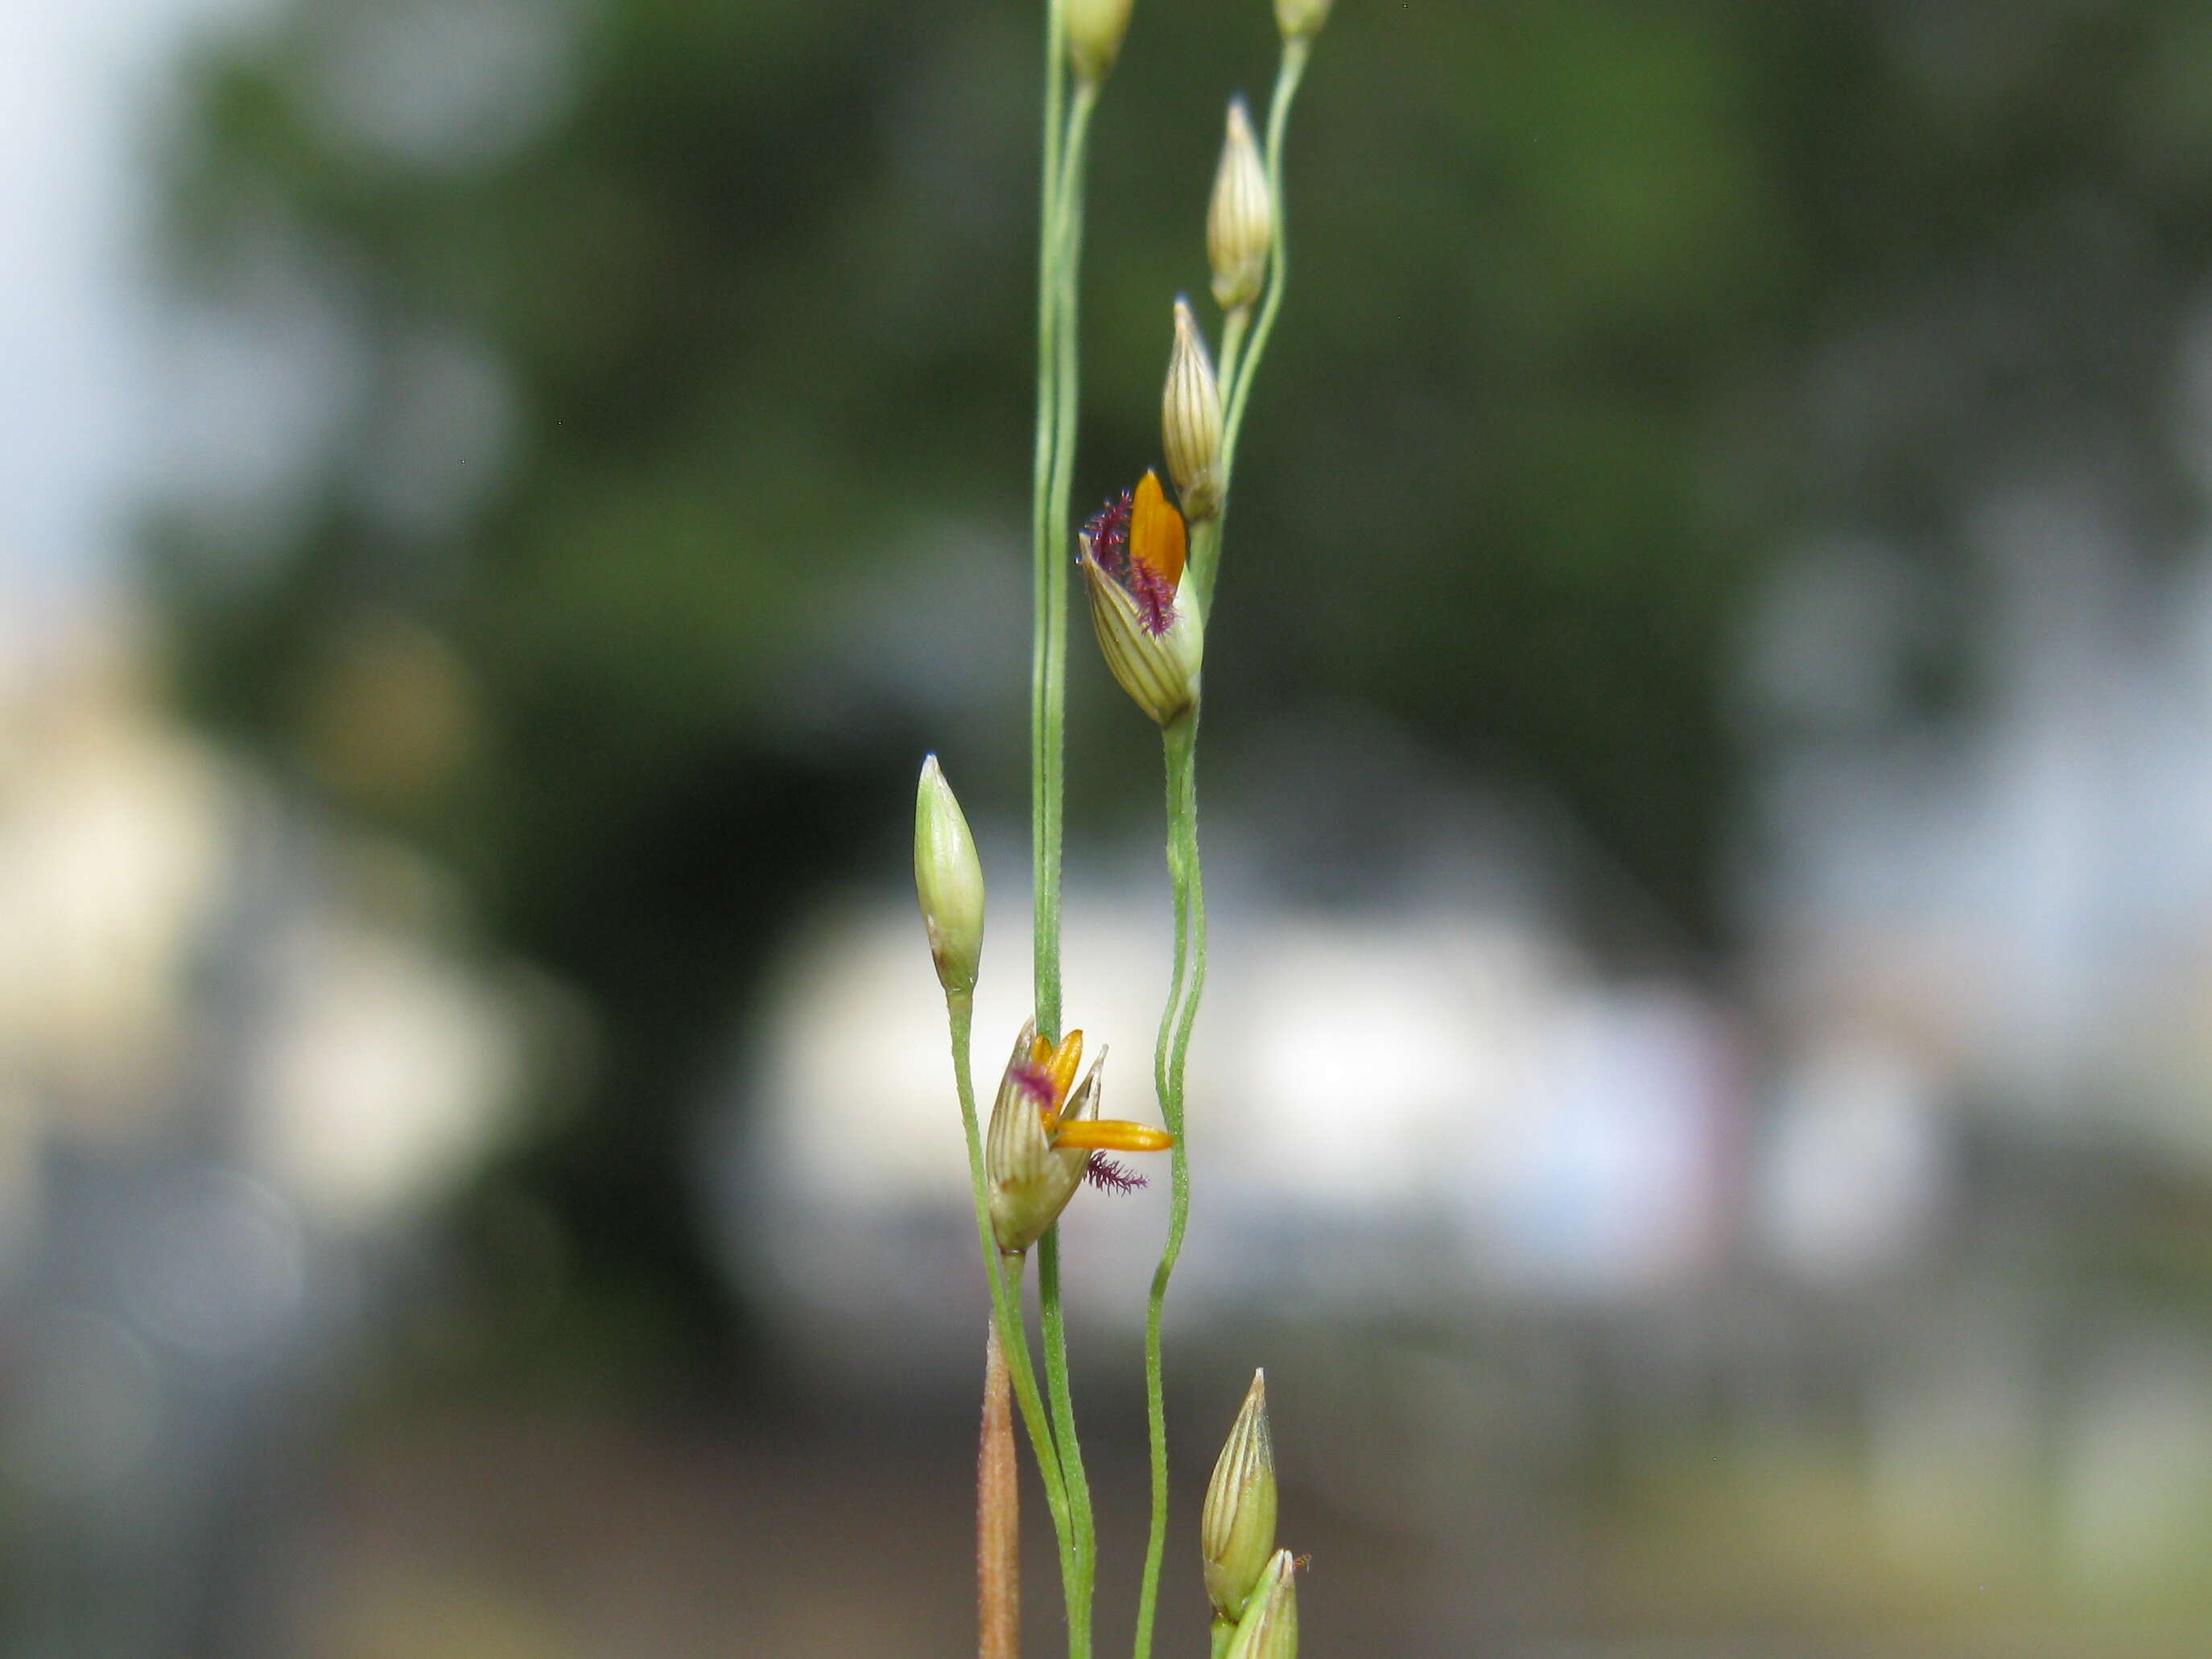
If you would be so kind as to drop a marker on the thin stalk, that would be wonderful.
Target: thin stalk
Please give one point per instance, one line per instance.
(1058, 395)
(1052, 1319)
(1049, 595)
(1206, 533)
(1205, 546)
(1056, 98)
(1180, 744)
(1005, 1284)
(1059, 266)
(1232, 343)
(1179, 1190)
(1239, 361)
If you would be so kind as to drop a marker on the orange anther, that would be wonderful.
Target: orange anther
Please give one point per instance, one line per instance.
(1112, 1135)
(1156, 532)
(1060, 1067)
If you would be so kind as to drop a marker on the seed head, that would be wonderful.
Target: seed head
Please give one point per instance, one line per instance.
(1240, 218)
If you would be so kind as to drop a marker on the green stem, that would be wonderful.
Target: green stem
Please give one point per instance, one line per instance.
(1240, 360)
(1048, 584)
(1171, 1055)
(1055, 103)
(1059, 258)
(1232, 343)
(1163, 1043)
(1065, 268)
(1006, 1293)
(1205, 559)
(1204, 544)
(1058, 395)
(1052, 1316)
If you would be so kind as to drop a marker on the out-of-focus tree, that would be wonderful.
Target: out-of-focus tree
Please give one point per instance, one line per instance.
(649, 486)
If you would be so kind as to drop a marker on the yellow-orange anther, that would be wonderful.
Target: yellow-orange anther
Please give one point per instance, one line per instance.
(1112, 1135)
(1060, 1064)
(1155, 531)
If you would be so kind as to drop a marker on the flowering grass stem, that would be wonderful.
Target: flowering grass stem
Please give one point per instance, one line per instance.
(1067, 125)
(1066, 266)
(1241, 352)
(1171, 1054)
(1059, 385)
(1233, 327)
(1048, 675)
(1084, 1540)
(1051, 1420)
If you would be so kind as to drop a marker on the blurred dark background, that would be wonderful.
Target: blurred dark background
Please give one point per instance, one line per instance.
(1705, 1102)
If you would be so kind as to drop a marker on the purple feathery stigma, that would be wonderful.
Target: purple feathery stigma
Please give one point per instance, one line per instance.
(1102, 1172)
(1107, 537)
(1155, 598)
(1107, 532)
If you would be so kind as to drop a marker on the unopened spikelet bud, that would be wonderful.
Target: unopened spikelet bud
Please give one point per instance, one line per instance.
(948, 878)
(1032, 1180)
(1269, 1628)
(1150, 629)
(1095, 29)
(1301, 20)
(1190, 419)
(1240, 217)
(1236, 1530)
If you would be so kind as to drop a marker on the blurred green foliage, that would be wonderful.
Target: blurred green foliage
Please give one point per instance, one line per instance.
(1583, 298)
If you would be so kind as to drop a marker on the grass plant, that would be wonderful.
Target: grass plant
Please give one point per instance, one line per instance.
(1150, 571)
